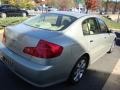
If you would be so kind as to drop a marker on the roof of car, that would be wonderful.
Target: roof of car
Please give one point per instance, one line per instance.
(74, 14)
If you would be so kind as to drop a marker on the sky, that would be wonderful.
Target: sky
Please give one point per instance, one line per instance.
(115, 0)
(112, 0)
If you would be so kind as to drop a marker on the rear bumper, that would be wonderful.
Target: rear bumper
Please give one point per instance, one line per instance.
(36, 74)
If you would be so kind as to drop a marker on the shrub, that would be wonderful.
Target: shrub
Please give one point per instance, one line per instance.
(11, 21)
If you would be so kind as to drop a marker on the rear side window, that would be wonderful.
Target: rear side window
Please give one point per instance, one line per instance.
(90, 27)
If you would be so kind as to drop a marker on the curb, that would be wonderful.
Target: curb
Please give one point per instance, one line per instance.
(114, 29)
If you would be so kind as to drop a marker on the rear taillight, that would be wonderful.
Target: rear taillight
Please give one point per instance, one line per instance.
(4, 37)
(44, 49)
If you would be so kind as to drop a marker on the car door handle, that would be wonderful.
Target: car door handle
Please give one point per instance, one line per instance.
(105, 37)
(91, 40)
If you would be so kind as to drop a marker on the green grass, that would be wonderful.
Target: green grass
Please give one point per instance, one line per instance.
(111, 24)
(11, 21)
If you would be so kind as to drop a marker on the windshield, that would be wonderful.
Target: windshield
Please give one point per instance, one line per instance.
(50, 21)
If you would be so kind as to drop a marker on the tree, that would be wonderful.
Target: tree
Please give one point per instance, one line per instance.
(62, 4)
(91, 4)
(21, 3)
(25, 4)
(65, 4)
(52, 3)
(106, 8)
(78, 1)
(114, 9)
(5, 1)
(111, 5)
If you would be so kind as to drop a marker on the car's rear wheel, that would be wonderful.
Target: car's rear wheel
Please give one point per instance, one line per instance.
(3, 15)
(78, 70)
(24, 14)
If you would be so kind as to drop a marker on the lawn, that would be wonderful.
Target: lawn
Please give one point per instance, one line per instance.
(11, 21)
(111, 24)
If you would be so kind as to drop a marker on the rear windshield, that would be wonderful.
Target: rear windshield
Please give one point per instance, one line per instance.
(51, 21)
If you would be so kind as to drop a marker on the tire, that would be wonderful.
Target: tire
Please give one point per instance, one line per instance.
(3, 15)
(112, 47)
(78, 71)
(24, 14)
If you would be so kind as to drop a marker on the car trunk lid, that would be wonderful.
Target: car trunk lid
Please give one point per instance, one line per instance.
(21, 36)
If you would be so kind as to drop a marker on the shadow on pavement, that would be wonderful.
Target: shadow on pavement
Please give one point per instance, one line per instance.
(93, 80)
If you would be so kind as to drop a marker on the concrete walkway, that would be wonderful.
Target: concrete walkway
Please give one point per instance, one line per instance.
(113, 82)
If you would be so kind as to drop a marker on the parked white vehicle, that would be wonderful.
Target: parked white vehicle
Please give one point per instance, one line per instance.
(56, 46)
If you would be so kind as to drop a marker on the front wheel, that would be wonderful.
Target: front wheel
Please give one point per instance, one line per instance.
(78, 70)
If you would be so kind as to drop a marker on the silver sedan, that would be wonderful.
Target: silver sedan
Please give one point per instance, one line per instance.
(55, 47)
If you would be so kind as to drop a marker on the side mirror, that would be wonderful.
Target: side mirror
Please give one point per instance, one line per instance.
(109, 31)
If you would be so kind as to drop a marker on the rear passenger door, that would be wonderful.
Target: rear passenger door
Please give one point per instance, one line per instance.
(95, 40)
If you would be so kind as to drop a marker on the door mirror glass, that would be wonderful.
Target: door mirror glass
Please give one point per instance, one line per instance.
(109, 31)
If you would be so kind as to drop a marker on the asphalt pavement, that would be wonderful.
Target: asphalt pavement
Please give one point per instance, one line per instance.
(95, 78)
